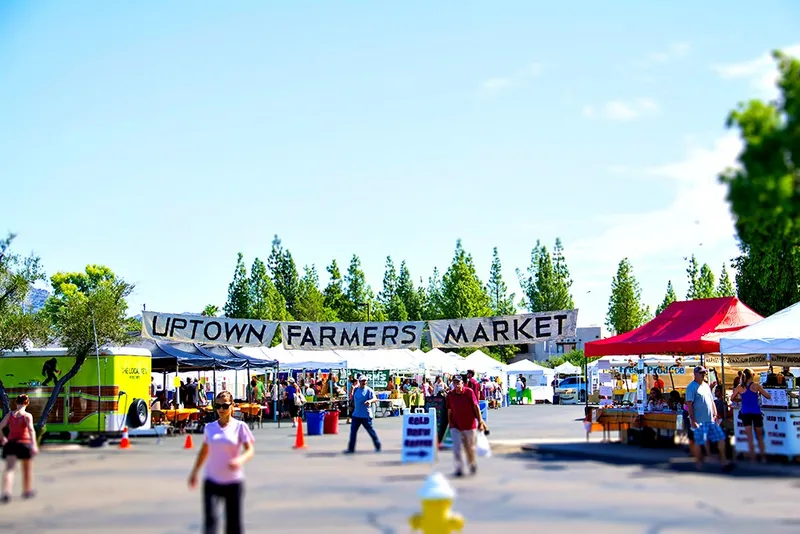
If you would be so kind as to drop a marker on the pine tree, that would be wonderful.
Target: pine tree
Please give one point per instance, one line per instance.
(692, 273)
(390, 282)
(725, 286)
(358, 295)
(705, 283)
(669, 298)
(563, 282)
(284, 274)
(547, 284)
(463, 293)
(310, 300)
(238, 304)
(625, 309)
(266, 303)
(499, 301)
(433, 297)
(412, 298)
(334, 291)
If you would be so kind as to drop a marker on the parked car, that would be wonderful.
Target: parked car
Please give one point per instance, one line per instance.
(571, 390)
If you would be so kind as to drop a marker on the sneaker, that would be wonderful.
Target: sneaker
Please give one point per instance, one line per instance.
(473, 469)
(458, 474)
(29, 495)
(348, 452)
(5, 499)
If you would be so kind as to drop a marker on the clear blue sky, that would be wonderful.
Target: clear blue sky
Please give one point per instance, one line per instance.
(162, 138)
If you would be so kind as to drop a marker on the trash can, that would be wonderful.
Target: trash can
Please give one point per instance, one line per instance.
(484, 406)
(315, 422)
(331, 422)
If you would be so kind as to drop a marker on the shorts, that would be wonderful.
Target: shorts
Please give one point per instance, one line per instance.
(21, 451)
(752, 419)
(708, 432)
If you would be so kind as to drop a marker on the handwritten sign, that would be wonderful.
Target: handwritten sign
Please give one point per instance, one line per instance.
(419, 438)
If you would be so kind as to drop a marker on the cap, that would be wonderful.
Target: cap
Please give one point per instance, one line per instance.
(436, 488)
(700, 369)
(457, 378)
(362, 378)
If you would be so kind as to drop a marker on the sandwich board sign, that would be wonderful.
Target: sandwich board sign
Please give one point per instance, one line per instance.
(419, 438)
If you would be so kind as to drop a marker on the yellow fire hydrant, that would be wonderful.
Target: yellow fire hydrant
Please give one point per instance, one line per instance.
(437, 516)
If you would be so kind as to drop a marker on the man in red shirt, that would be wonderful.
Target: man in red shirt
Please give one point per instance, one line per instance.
(658, 383)
(465, 420)
(473, 384)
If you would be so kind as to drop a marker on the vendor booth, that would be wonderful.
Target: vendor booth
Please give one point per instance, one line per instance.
(687, 328)
(539, 381)
(773, 343)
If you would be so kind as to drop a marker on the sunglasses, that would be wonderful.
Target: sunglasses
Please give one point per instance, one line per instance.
(219, 406)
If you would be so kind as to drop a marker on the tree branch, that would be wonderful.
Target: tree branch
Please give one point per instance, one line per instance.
(57, 387)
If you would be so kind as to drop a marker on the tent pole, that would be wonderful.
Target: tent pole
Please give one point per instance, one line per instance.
(722, 378)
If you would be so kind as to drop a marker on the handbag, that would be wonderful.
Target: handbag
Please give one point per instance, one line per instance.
(299, 400)
(482, 446)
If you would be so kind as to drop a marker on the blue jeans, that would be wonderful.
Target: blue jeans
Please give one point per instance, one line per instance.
(357, 423)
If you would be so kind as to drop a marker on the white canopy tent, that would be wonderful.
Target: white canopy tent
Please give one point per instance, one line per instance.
(371, 360)
(568, 368)
(299, 359)
(777, 334)
(482, 363)
(527, 366)
(437, 360)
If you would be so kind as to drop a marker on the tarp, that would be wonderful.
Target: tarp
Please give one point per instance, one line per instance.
(777, 334)
(195, 357)
(687, 327)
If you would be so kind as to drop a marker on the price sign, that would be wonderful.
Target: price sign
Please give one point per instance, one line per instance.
(779, 398)
(419, 437)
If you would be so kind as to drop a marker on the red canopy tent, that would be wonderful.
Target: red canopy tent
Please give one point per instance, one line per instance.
(686, 327)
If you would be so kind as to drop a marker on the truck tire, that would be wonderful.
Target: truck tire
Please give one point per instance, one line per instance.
(137, 413)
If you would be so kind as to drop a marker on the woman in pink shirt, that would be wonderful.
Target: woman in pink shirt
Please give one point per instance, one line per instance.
(20, 445)
(223, 441)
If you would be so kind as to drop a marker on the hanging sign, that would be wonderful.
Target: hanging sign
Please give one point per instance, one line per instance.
(378, 379)
(419, 437)
(508, 330)
(359, 336)
(210, 330)
(641, 389)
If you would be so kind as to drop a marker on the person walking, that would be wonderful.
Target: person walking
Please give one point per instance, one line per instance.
(704, 419)
(223, 441)
(363, 399)
(20, 446)
(465, 419)
(750, 414)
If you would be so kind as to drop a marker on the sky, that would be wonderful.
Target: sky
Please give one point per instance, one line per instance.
(160, 139)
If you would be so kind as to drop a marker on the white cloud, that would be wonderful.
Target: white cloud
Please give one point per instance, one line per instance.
(697, 214)
(760, 72)
(494, 85)
(618, 110)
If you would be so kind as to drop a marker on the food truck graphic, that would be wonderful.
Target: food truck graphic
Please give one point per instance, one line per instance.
(122, 391)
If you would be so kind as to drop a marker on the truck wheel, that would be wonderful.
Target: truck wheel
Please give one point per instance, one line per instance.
(137, 413)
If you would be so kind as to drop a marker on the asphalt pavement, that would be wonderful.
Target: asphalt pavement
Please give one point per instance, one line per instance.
(319, 490)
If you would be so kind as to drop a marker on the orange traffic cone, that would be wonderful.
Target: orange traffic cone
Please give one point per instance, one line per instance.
(188, 443)
(300, 440)
(125, 443)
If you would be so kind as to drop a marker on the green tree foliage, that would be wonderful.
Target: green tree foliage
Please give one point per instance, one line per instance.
(413, 299)
(211, 310)
(389, 283)
(725, 286)
(692, 276)
(284, 274)
(358, 295)
(764, 192)
(669, 298)
(334, 291)
(266, 303)
(434, 308)
(310, 300)
(238, 305)
(625, 309)
(706, 285)
(463, 293)
(18, 325)
(547, 284)
(83, 304)
(499, 301)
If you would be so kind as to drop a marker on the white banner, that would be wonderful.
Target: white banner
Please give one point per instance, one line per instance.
(509, 330)
(360, 336)
(211, 330)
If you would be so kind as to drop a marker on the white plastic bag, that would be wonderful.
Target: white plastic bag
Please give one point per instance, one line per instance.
(482, 446)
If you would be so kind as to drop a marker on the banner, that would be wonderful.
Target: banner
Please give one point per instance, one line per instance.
(213, 330)
(375, 379)
(509, 330)
(361, 336)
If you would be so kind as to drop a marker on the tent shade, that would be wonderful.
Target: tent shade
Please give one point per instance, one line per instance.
(527, 366)
(482, 363)
(195, 357)
(777, 334)
(687, 327)
(568, 368)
